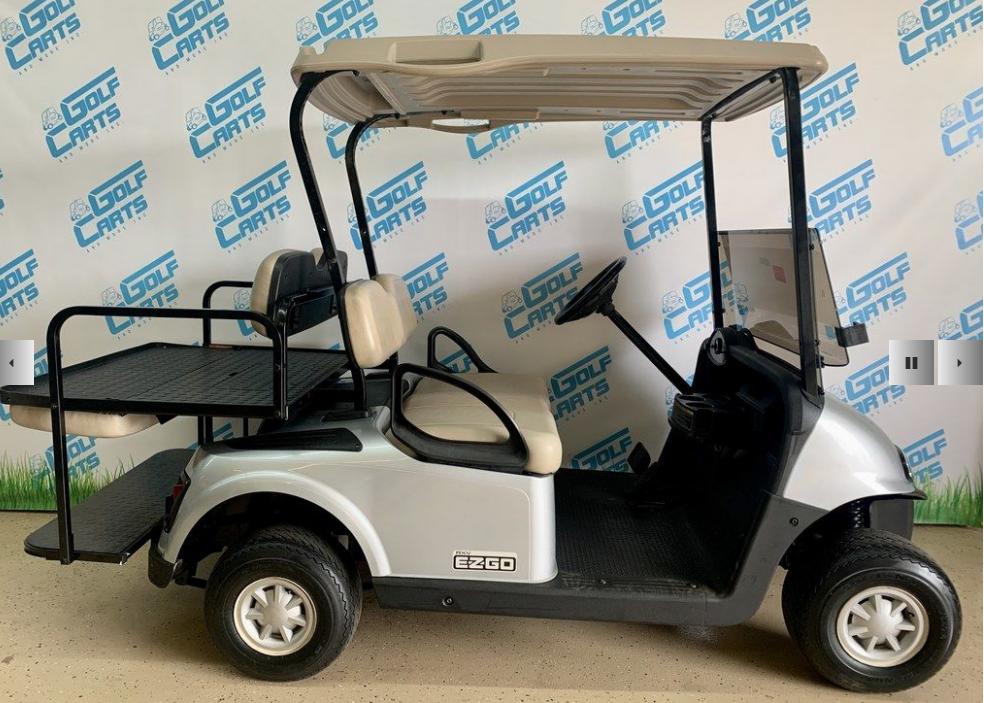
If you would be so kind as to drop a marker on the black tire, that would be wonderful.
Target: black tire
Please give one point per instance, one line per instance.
(819, 584)
(324, 571)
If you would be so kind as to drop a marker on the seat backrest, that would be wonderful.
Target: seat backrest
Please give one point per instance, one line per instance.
(397, 289)
(375, 328)
(292, 272)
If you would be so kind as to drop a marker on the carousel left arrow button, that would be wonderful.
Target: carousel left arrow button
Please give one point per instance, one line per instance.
(17, 367)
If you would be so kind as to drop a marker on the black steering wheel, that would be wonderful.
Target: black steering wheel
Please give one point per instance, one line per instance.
(594, 296)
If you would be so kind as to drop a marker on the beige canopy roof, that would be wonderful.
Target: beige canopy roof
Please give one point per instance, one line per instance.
(520, 78)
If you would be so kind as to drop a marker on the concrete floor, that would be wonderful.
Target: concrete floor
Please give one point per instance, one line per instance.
(103, 632)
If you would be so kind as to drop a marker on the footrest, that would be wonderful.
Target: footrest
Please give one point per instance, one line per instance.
(117, 520)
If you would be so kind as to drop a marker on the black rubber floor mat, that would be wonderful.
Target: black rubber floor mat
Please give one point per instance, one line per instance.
(599, 534)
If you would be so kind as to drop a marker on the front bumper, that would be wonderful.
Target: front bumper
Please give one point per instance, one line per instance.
(159, 570)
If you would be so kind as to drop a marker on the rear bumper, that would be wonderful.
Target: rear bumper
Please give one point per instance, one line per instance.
(159, 570)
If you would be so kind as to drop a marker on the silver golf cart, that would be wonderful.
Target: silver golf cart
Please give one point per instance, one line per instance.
(445, 491)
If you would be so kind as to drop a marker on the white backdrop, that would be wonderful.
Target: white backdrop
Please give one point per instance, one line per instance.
(144, 153)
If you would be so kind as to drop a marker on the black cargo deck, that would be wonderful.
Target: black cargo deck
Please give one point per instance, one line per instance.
(117, 520)
(173, 379)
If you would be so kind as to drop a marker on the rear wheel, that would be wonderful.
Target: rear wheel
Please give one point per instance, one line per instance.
(871, 611)
(283, 604)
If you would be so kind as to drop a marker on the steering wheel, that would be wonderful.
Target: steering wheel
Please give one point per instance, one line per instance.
(594, 296)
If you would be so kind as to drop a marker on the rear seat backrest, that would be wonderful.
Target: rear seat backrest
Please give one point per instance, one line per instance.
(282, 273)
(374, 323)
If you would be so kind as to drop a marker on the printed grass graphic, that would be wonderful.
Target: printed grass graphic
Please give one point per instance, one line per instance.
(23, 489)
(951, 502)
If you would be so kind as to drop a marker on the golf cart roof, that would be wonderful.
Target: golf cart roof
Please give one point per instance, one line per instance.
(494, 80)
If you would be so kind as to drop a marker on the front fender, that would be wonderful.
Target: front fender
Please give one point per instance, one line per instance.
(846, 457)
(221, 483)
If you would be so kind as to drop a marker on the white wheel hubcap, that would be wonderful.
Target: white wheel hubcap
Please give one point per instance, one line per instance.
(275, 616)
(882, 626)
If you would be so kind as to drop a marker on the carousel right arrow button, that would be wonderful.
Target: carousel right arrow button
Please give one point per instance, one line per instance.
(960, 362)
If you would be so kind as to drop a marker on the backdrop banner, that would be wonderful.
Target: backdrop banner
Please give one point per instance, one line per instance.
(144, 153)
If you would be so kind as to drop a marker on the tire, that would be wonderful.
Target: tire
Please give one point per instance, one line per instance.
(866, 568)
(321, 589)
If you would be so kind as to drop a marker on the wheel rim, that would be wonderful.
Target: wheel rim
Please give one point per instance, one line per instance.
(275, 616)
(882, 626)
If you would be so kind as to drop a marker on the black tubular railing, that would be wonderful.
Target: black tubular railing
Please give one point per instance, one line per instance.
(56, 391)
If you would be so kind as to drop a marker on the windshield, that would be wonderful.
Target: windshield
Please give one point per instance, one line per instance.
(759, 284)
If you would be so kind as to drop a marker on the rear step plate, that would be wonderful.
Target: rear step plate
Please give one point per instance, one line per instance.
(117, 520)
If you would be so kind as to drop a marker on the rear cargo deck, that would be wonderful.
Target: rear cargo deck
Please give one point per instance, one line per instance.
(173, 379)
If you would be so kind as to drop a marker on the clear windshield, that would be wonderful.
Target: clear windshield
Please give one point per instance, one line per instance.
(759, 284)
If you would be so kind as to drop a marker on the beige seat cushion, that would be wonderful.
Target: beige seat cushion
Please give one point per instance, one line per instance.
(397, 289)
(103, 425)
(444, 411)
(374, 323)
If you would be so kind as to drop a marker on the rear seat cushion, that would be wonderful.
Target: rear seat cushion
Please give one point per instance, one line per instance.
(103, 425)
(446, 412)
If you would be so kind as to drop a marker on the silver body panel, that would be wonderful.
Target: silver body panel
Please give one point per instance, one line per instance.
(409, 517)
(845, 457)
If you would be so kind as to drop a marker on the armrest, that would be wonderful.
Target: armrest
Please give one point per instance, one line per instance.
(509, 456)
(432, 361)
(207, 305)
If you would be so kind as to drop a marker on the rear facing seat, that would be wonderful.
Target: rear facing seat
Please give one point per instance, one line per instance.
(380, 318)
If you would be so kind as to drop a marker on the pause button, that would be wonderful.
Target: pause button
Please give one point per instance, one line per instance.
(911, 362)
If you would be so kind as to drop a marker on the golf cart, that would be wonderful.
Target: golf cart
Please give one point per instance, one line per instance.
(445, 491)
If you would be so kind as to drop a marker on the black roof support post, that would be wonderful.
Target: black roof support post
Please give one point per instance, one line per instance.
(59, 447)
(710, 214)
(809, 344)
(309, 82)
(358, 202)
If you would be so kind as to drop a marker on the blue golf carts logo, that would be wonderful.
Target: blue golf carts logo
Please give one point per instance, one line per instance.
(482, 146)
(190, 27)
(228, 115)
(664, 209)
(935, 26)
(82, 115)
(828, 105)
(924, 457)
(843, 201)
(252, 208)
(528, 208)
(18, 289)
(769, 20)
(879, 292)
(625, 139)
(81, 454)
(541, 298)
(150, 286)
(337, 134)
(426, 285)
(968, 324)
(868, 390)
(688, 310)
(967, 215)
(581, 384)
(110, 207)
(627, 18)
(337, 19)
(610, 454)
(458, 361)
(241, 300)
(961, 124)
(41, 28)
(481, 17)
(392, 206)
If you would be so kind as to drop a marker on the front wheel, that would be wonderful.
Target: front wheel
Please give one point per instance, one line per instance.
(283, 604)
(872, 612)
